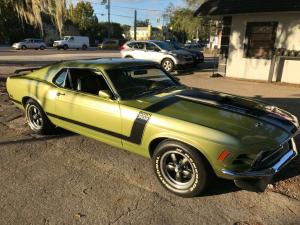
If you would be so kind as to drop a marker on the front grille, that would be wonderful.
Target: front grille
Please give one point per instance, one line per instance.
(267, 159)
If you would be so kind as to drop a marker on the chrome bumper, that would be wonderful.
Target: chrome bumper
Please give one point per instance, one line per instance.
(269, 172)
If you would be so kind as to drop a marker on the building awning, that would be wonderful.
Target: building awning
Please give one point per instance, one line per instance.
(228, 7)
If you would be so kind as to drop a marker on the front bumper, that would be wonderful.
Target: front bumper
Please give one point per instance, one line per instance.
(260, 178)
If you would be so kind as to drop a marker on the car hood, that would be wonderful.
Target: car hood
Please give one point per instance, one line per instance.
(249, 120)
(196, 52)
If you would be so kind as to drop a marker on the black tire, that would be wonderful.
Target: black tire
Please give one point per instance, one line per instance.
(128, 57)
(37, 119)
(180, 168)
(42, 47)
(23, 47)
(84, 47)
(65, 47)
(168, 64)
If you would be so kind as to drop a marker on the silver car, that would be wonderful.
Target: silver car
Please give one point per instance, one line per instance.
(30, 43)
(157, 51)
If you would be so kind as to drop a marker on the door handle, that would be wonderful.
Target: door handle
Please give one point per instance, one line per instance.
(59, 94)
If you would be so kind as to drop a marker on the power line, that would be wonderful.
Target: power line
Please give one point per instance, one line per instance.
(126, 7)
(142, 9)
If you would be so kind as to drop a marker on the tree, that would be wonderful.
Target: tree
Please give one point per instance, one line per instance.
(11, 28)
(83, 16)
(142, 23)
(31, 11)
(183, 21)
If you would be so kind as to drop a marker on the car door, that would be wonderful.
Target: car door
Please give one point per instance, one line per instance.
(30, 43)
(79, 108)
(71, 42)
(138, 51)
(152, 52)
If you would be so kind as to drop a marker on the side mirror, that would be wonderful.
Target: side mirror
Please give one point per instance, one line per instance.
(105, 94)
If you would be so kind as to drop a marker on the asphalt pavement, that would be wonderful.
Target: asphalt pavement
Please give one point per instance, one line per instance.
(9, 56)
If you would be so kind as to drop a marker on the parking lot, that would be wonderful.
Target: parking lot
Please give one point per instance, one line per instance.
(70, 179)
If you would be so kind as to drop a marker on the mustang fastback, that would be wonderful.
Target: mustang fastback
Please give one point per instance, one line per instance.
(192, 135)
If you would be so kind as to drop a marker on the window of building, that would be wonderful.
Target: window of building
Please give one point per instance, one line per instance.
(260, 39)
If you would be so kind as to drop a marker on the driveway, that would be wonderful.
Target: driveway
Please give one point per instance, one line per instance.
(71, 179)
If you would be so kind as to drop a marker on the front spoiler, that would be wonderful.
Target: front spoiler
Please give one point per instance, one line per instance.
(259, 179)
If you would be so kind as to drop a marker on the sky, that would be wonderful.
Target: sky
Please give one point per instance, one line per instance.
(122, 11)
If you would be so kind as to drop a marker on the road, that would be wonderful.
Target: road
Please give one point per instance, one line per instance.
(70, 179)
(9, 56)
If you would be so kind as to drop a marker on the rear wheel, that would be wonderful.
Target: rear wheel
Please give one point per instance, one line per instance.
(180, 169)
(37, 119)
(128, 57)
(168, 65)
(84, 47)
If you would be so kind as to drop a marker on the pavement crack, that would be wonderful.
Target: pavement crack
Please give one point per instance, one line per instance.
(127, 212)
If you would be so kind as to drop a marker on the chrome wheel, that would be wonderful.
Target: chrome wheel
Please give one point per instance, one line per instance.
(176, 168)
(168, 65)
(34, 117)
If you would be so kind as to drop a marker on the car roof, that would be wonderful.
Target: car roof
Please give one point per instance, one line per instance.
(49, 72)
(106, 63)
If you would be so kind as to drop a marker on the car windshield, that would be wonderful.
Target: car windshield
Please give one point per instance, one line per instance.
(66, 38)
(165, 46)
(133, 83)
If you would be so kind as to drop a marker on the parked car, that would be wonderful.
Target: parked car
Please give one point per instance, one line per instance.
(198, 56)
(190, 134)
(193, 46)
(30, 43)
(110, 44)
(157, 51)
(75, 42)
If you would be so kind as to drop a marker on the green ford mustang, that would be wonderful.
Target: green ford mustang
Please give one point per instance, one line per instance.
(190, 134)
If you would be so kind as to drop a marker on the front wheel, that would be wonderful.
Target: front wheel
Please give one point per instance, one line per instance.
(65, 47)
(168, 65)
(84, 47)
(37, 119)
(180, 169)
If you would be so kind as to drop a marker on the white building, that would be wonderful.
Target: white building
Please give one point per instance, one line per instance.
(260, 38)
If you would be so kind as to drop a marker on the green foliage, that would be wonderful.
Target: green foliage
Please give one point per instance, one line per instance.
(101, 31)
(11, 28)
(183, 21)
(142, 23)
(83, 16)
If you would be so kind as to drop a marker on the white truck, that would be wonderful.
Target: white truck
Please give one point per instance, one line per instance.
(75, 42)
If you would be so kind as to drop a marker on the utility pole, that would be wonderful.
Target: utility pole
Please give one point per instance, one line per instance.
(135, 18)
(108, 9)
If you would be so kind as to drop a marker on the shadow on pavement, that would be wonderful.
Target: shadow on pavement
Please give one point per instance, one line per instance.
(58, 134)
(210, 65)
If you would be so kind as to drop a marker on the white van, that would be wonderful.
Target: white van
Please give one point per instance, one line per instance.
(75, 42)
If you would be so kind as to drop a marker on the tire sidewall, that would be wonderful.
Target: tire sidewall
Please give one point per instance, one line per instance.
(46, 127)
(172, 63)
(197, 163)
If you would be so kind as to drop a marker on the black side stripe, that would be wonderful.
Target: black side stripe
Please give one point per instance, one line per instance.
(137, 129)
(16, 101)
(162, 104)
